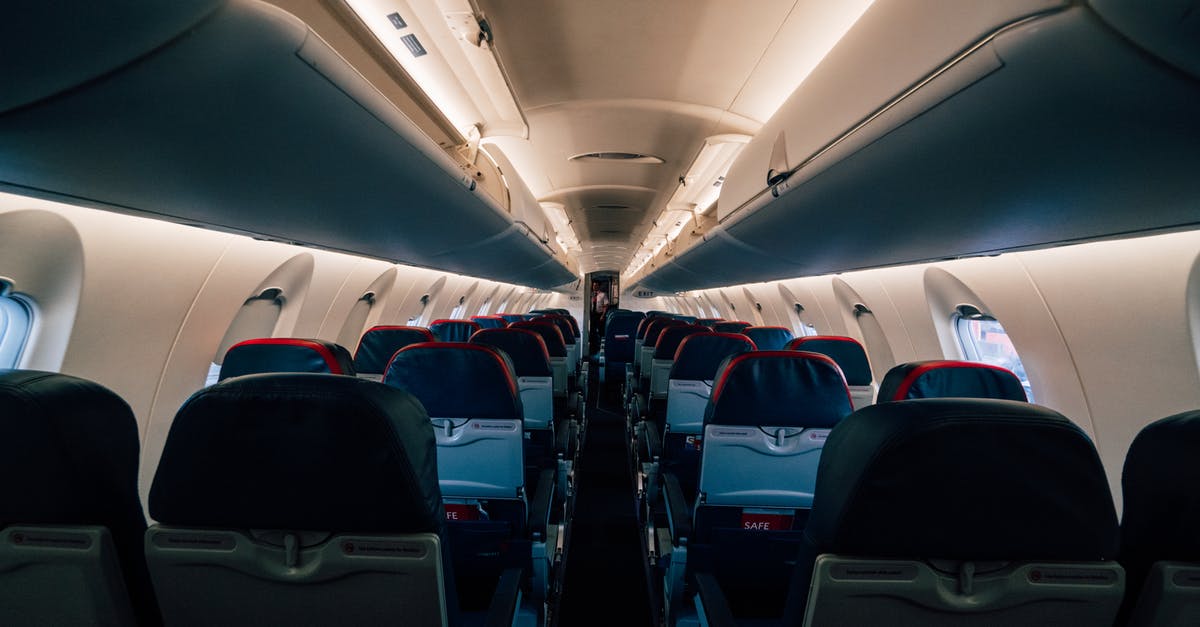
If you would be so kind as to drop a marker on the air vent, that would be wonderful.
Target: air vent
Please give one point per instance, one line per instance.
(413, 45)
(623, 157)
(613, 207)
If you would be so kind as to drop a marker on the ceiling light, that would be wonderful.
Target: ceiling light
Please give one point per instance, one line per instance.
(622, 157)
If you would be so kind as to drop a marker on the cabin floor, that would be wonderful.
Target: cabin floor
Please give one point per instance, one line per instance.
(606, 578)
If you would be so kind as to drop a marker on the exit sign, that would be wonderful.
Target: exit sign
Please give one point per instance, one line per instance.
(643, 294)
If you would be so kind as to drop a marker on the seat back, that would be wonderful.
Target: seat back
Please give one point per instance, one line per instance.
(640, 339)
(618, 344)
(511, 317)
(378, 344)
(556, 346)
(472, 397)
(850, 356)
(654, 329)
(664, 355)
(949, 379)
(730, 326)
(769, 338)
(299, 499)
(285, 354)
(691, 377)
(1159, 547)
(709, 322)
(568, 336)
(958, 512)
(453, 330)
(531, 364)
(71, 522)
(489, 322)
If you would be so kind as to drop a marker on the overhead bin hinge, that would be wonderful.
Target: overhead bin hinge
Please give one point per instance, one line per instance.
(779, 168)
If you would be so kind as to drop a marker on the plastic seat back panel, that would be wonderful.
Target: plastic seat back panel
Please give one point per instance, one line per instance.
(753, 466)
(479, 458)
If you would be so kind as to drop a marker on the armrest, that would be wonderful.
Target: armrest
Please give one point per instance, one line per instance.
(539, 508)
(506, 600)
(652, 438)
(677, 509)
(566, 436)
(712, 604)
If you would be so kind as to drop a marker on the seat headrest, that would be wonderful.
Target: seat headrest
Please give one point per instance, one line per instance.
(962, 479)
(699, 355)
(769, 338)
(1162, 505)
(946, 379)
(300, 452)
(730, 326)
(489, 322)
(619, 326)
(564, 327)
(778, 389)
(457, 380)
(669, 339)
(555, 344)
(285, 354)
(850, 356)
(453, 330)
(525, 349)
(378, 344)
(511, 318)
(709, 322)
(685, 319)
(655, 327)
(70, 450)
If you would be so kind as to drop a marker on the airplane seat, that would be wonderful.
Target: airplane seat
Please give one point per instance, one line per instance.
(1159, 547)
(556, 346)
(709, 322)
(850, 356)
(769, 338)
(955, 512)
(286, 354)
(685, 318)
(447, 330)
(71, 521)
(379, 343)
(639, 340)
(942, 378)
(489, 322)
(568, 336)
(511, 317)
(660, 366)
(654, 329)
(730, 326)
(471, 395)
(688, 388)
(300, 499)
(618, 347)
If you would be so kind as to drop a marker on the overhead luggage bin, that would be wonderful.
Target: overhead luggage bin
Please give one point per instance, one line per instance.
(1002, 126)
(238, 117)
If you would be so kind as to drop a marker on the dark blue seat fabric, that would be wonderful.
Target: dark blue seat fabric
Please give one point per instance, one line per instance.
(556, 346)
(618, 345)
(457, 380)
(644, 323)
(525, 349)
(564, 327)
(778, 389)
(283, 354)
(453, 330)
(685, 319)
(699, 355)
(846, 351)
(655, 327)
(379, 343)
(69, 448)
(957, 479)
(489, 322)
(1162, 501)
(511, 318)
(730, 326)
(769, 338)
(671, 337)
(946, 378)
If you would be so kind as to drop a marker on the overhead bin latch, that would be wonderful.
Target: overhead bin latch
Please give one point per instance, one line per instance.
(778, 170)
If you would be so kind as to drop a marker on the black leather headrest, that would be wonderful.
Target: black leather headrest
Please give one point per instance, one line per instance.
(949, 379)
(286, 354)
(488, 322)
(962, 479)
(669, 339)
(457, 380)
(378, 345)
(846, 351)
(730, 326)
(453, 330)
(525, 349)
(69, 450)
(1162, 501)
(699, 355)
(551, 335)
(769, 338)
(778, 389)
(300, 452)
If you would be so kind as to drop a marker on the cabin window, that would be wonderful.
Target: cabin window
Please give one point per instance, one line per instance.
(256, 318)
(983, 339)
(356, 321)
(459, 309)
(16, 319)
(878, 350)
